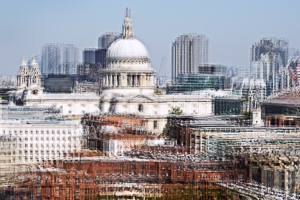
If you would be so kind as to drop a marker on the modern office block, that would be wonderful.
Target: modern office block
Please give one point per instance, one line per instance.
(188, 52)
(59, 58)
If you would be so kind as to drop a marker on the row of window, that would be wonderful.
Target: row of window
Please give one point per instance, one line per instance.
(37, 132)
(47, 139)
(48, 145)
(36, 152)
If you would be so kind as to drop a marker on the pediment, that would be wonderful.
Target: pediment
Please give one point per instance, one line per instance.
(140, 98)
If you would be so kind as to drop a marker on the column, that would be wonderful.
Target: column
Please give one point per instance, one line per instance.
(151, 80)
(115, 81)
(147, 80)
(103, 81)
(286, 178)
(106, 77)
(110, 81)
(135, 80)
(140, 80)
(130, 80)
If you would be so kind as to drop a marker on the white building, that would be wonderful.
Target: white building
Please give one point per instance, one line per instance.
(42, 140)
(128, 83)
(30, 92)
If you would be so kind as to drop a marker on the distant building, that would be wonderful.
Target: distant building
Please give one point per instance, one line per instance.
(188, 52)
(228, 105)
(105, 40)
(8, 81)
(89, 72)
(208, 76)
(266, 45)
(294, 53)
(96, 56)
(29, 77)
(294, 67)
(41, 140)
(31, 93)
(59, 83)
(89, 55)
(58, 58)
(269, 58)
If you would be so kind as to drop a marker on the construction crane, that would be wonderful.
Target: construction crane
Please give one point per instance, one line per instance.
(162, 63)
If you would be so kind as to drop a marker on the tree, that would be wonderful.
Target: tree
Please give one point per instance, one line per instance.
(157, 92)
(176, 111)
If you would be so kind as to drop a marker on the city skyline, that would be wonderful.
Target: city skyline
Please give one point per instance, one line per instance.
(156, 25)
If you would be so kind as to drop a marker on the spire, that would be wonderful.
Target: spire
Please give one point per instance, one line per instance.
(127, 26)
(24, 62)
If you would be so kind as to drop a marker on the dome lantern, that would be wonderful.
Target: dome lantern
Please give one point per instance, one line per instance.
(127, 26)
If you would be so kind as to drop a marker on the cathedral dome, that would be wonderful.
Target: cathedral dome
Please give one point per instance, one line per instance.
(127, 48)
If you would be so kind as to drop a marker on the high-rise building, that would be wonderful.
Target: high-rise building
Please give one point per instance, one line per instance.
(98, 56)
(270, 45)
(105, 40)
(58, 58)
(89, 55)
(269, 59)
(188, 52)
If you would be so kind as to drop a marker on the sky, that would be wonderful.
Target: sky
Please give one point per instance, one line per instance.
(231, 26)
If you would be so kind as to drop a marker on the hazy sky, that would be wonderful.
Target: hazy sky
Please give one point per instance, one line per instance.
(231, 26)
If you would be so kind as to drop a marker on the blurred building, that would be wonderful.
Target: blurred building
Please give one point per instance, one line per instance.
(41, 140)
(208, 77)
(8, 81)
(89, 55)
(294, 68)
(29, 77)
(269, 45)
(105, 40)
(188, 52)
(59, 83)
(30, 92)
(269, 58)
(59, 58)
(98, 55)
(94, 56)
(293, 52)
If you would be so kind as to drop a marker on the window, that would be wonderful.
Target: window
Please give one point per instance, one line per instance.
(141, 109)
(155, 125)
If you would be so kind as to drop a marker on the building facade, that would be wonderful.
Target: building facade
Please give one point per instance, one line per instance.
(269, 59)
(105, 40)
(41, 140)
(58, 58)
(188, 52)
(129, 81)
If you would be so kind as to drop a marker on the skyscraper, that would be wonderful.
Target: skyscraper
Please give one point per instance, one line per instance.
(269, 59)
(58, 58)
(188, 52)
(274, 45)
(105, 40)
